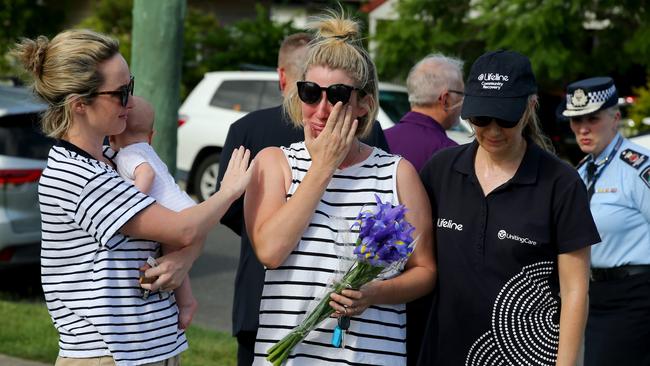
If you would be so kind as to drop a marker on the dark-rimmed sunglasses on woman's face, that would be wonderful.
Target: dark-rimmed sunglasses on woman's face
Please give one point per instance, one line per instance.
(123, 92)
(311, 93)
(485, 121)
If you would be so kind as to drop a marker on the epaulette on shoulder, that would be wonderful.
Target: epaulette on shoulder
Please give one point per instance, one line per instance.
(633, 158)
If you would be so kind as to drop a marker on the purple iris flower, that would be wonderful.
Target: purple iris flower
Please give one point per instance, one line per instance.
(384, 235)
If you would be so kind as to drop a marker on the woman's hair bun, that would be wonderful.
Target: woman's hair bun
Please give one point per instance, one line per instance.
(32, 54)
(335, 26)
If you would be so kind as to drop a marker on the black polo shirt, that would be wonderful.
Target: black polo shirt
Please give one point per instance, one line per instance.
(497, 256)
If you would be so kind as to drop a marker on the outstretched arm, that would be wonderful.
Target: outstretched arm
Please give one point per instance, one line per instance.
(192, 225)
(188, 228)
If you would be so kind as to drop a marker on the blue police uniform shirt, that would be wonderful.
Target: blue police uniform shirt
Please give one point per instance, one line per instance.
(621, 205)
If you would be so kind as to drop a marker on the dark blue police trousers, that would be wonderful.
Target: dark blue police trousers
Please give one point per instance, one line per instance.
(618, 328)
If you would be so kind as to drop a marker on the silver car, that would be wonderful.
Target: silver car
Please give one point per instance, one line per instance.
(23, 154)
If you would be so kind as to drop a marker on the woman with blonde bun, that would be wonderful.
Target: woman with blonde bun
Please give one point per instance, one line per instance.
(298, 192)
(98, 231)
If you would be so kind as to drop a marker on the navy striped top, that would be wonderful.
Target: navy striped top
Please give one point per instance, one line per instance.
(376, 337)
(89, 270)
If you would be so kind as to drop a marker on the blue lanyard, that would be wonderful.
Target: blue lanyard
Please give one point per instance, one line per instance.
(601, 167)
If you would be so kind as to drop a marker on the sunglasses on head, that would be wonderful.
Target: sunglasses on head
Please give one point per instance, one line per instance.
(485, 121)
(123, 92)
(311, 93)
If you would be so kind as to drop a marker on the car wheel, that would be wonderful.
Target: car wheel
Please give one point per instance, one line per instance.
(205, 178)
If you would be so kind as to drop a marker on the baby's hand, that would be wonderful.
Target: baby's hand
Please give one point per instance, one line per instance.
(238, 173)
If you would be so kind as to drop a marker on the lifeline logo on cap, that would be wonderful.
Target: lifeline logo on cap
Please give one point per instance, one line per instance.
(492, 80)
(589, 96)
(498, 86)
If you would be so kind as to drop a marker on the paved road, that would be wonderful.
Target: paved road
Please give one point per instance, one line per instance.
(213, 277)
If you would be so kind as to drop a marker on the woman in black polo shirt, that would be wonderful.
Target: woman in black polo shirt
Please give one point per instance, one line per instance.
(513, 231)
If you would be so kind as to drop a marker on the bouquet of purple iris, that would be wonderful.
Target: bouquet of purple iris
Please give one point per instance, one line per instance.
(385, 241)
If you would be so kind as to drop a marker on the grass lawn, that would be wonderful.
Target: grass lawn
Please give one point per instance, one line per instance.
(27, 332)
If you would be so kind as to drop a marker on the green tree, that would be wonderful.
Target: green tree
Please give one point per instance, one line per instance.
(115, 18)
(569, 40)
(640, 110)
(423, 27)
(208, 46)
(25, 18)
(565, 39)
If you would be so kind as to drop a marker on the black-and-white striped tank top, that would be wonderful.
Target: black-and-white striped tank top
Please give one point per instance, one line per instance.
(377, 337)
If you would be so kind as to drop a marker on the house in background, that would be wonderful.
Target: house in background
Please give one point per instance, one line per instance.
(379, 12)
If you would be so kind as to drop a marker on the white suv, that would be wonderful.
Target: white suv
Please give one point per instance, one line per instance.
(221, 98)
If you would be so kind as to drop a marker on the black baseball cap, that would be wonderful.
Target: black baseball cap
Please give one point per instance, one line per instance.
(498, 86)
(589, 96)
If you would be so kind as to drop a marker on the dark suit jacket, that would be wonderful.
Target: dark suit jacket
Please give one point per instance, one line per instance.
(256, 131)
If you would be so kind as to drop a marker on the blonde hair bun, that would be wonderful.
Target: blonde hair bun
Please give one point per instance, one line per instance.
(31, 54)
(334, 26)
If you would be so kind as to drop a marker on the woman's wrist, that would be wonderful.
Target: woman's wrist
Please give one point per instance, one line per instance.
(228, 195)
(323, 171)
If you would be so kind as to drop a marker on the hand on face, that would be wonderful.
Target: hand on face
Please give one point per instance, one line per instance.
(329, 148)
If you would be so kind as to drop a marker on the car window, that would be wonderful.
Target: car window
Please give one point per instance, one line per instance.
(239, 95)
(271, 95)
(394, 103)
(20, 136)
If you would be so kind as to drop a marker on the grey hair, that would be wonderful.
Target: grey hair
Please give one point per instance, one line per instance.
(613, 110)
(431, 76)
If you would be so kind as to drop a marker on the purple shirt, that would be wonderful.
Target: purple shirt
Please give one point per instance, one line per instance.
(417, 137)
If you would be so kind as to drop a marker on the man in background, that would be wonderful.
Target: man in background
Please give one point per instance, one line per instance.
(435, 87)
(258, 130)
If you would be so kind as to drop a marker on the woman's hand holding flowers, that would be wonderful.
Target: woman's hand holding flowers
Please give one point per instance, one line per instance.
(385, 240)
(354, 302)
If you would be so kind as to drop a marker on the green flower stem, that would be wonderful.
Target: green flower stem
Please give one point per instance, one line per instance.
(358, 275)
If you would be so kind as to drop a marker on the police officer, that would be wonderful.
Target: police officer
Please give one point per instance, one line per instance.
(617, 175)
(513, 229)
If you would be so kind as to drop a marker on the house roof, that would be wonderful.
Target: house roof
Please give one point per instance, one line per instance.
(371, 5)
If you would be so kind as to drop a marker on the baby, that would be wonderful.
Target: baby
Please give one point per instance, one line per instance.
(137, 162)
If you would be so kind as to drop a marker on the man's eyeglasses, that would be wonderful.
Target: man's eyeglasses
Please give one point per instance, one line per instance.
(485, 121)
(460, 101)
(311, 93)
(123, 92)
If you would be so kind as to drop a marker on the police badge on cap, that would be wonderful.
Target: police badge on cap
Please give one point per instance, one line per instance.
(590, 95)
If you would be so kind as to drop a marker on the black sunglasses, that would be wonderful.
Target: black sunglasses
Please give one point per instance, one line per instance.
(123, 92)
(485, 121)
(310, 92)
